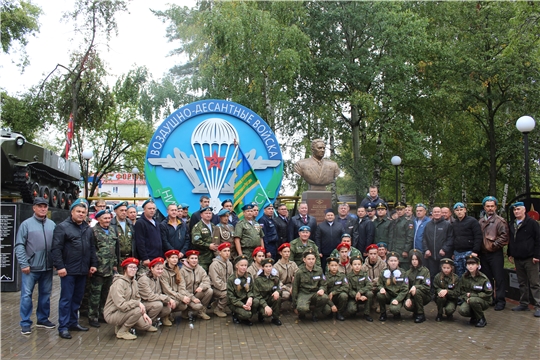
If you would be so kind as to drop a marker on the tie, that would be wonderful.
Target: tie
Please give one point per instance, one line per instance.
(305, 220)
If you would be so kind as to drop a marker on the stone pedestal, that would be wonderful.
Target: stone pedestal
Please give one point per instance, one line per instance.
(317, 201)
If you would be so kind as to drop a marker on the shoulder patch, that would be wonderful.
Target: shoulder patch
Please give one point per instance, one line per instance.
(428, 282)
(406, 280)
(488, 285)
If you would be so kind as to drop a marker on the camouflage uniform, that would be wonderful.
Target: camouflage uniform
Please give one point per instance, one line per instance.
(304, 292)
(126, 243)
(338, 286)
(298, 248)
(352, 253)
(264, 287)
(396, 286)
(402, 237)
(359, 283)
(250, 236)
(201, 238)
(480, 291)
(450, 283)
(101, 280)
(239, 289)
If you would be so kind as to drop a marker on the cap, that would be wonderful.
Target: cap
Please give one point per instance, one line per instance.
(192, 252)
(146, 202)
(329, 210)
(79, 202)
(184, 206)
(223, 212)
(416, 252)
(101, 212)
(459, 205)
(120, 204)
(421, 205)
(447, 261)
(283, 246)
(401, 205)
(267, 205)
(356, 257)
(332, 259)
(226, 201)
(304, 228)
(382, 206)
(372, 246)
(392, 254)
(130, 260)
(267, 261)
(39, 200)
(517, 204)
(341, 245)
(206, 208)
(490, 198)
(382, 244)
(257, 250)
(169, 253)
(309, 251)
(224, 245)
(471, 257)
(156, 261)
(345, 235)
(247, 207)
(132, 206)
(240, 258)
(370, 206)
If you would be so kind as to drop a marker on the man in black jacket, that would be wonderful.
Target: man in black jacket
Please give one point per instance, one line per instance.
(148, 235)
(328, 235)
(174, 232)
(363, 231)
(282, 222)
(437, 241)
(74, 257)
(302, 219)
(467, 237)
(524, 252)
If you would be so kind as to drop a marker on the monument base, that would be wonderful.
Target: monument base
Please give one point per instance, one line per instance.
(317, 201)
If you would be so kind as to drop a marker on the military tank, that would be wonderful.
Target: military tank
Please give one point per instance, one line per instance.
(29, 170)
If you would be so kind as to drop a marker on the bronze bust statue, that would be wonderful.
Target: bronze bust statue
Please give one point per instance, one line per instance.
(317, 172)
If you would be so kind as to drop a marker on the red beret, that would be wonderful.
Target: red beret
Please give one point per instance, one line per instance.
(192, 252)
(156, 261)
(283, 246)
(257, 249)
(130, 260)
(223, 246)
(169, 253)
(372, 246)
(344, 245)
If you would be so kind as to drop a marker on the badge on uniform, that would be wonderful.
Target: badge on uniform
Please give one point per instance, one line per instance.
(478, 287)
(362, 279)
(259, 272)
(406, 280)
(338, 283)
(387, 273)
(450, 286)
(346, 281)
(428, 282)
(420, 277)
(237, 281)
(274, 272)
(397, 273)
(248, 280)
(197, 237)
(324, 277)
(316, 278)
(205, 230)
(488, 285)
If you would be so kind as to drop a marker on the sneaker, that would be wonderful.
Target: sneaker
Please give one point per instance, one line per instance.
(521, 307)
(46, 324)
(537, 312)
(26, 330)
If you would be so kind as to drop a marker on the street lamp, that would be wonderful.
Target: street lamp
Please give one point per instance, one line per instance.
(396, 161)
(525, 125)
(134, 171)
(87, 155)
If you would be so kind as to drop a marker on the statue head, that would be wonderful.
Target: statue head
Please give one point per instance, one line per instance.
(318, 148)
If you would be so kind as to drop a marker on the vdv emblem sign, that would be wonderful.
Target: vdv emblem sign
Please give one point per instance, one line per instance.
(192, 153)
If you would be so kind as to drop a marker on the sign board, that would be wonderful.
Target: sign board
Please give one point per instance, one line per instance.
(8, 221)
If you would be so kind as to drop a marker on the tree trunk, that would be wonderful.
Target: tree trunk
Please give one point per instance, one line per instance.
(402, 184)
(355, 127)
(333, 186)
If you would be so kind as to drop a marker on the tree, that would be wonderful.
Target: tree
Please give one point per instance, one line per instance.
(19, 20)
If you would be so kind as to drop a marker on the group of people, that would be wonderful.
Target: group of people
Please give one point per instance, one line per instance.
(141, 274)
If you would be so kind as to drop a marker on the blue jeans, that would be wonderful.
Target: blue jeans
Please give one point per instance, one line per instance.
(28, 283)
(71, 294)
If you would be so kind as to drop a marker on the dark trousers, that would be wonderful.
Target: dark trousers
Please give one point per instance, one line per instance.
(493, 267)
(434, 268)
(527, 274)
(71, 294)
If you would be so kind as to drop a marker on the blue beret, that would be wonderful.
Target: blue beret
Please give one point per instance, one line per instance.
(382, 244)
(459, 205)
(101, 212)
(516, 204)
(267, 205)
(184, 206)
(223, 212)
(206, 208)
(226, 201)
(345, 235)
(122, 203)
(79, 202)
(147, 201)
(132, 206)
(248, 206)
(304, 228)
(490, 198)
(421, 205)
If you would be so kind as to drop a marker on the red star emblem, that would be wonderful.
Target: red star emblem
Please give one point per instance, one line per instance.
(215, 160)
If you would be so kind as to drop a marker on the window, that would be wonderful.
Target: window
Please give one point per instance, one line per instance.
(115, 189)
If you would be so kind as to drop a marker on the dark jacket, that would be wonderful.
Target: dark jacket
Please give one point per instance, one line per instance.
(467, 235)
(368, 199)
(171, 238)
(363, 234)
(148, 239)
(525, 241)
(438, 235)
(73, 248)
(270, 231)
(296, 222)
(495, 232)
(282, 229)
(347, 223)
(328, 237)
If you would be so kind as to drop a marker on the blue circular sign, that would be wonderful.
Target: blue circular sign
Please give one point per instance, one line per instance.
(193, 153)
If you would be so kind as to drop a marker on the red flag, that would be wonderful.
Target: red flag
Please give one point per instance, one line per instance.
(69, 136)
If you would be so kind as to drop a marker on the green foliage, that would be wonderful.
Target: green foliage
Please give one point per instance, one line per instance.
(19, 20)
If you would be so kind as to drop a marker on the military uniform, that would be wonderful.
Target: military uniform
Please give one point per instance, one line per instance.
(396, 286)
(264, 287)
(298, 248)
(225, 233)
(359, 283)
(420, 278)
(480, 297)
(270, 238)
(126, 243)
(402, 237)
(382, 230)
(352, 253)
(253, 270)
(304, 292)
(250, 236)
(286, 273)
(239, 290)
(202, 238)
(100, 282)
(338, 285)
(447, 303)
(153, 298)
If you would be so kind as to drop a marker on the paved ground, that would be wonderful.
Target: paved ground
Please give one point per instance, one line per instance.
(508, 335)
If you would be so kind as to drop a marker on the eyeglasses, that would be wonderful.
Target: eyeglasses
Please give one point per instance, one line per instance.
(133, 267)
